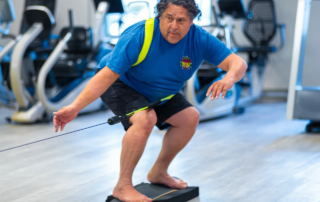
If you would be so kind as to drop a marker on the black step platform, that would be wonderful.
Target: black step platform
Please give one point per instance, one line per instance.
(154, 190)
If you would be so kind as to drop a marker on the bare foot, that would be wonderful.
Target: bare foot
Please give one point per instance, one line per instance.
(127, 193)
(167, 180)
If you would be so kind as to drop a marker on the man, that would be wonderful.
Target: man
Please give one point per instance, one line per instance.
(176, 41)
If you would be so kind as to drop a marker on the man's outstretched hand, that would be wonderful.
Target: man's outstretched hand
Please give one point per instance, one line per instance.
(219, 87)
(64, 116)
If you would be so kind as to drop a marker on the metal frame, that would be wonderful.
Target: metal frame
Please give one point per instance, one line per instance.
(99, 15)
(16, 65)
(50, 106)
(299, 46)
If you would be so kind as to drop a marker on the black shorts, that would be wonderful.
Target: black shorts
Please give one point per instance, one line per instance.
(122, 99)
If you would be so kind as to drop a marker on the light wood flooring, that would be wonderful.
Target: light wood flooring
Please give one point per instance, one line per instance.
(258, 156)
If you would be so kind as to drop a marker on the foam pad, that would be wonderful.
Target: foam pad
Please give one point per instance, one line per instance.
(154, 190)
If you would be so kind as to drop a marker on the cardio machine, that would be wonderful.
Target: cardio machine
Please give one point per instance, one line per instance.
(259, 26)
(71, 62)
(7, 15)
(19, 73)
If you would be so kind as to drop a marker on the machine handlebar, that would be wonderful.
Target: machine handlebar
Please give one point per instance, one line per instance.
(71, 20)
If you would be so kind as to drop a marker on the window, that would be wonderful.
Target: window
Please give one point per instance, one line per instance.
(206, 8)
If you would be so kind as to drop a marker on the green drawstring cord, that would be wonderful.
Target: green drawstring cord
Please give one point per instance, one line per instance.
(163, 99)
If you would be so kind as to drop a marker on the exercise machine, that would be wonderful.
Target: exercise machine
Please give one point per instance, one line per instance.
(303, 101)
(7, 15)
(196, 87)
(259, 26)
(71, 60)
(19, 73)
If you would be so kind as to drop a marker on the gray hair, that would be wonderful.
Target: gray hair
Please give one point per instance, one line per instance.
(190, 5)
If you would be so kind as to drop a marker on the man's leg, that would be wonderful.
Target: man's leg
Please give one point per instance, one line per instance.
(133, 146)
(183, 126)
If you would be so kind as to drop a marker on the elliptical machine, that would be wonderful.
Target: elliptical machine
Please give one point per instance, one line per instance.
(71, 61)
(7, 15)
(19, 73)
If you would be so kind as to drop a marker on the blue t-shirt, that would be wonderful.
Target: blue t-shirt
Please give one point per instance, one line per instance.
(167, 66)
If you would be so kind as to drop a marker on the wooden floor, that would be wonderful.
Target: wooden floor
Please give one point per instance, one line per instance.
(258, 156)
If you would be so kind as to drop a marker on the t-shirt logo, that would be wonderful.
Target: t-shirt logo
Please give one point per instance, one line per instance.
(186, 63)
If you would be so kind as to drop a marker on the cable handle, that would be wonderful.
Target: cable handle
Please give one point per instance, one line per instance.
(116, 119)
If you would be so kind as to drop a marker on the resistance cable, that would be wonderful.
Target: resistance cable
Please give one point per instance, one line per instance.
(111, 121)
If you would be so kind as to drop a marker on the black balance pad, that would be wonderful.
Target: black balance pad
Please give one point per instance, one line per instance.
(154, 190)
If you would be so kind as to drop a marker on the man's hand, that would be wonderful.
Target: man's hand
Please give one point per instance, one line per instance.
(220, 87)
(235, 67)
(64, 116)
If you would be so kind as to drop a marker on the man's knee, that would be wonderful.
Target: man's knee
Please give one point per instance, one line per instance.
(145, 119)
(187, 119)
(193, 118)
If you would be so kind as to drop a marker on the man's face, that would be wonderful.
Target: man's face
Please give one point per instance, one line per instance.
(175, 23)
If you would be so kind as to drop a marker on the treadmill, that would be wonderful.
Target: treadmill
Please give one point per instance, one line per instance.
(303, 101)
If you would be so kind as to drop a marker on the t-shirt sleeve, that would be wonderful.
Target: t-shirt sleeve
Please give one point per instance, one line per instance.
(126, 51)
(215, 50)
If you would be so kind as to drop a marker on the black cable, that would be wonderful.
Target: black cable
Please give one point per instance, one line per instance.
(51, 137)
(111, 121)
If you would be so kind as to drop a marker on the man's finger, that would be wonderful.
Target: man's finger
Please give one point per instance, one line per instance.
(214, 90)
(62, 126)
(219, 90)
(225, 89)
(209, 90)
(56, 123)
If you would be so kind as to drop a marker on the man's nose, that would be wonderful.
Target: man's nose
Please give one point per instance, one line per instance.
(174, 25)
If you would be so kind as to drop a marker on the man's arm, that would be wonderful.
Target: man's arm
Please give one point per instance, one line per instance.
(235, 67)
(95, 88)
